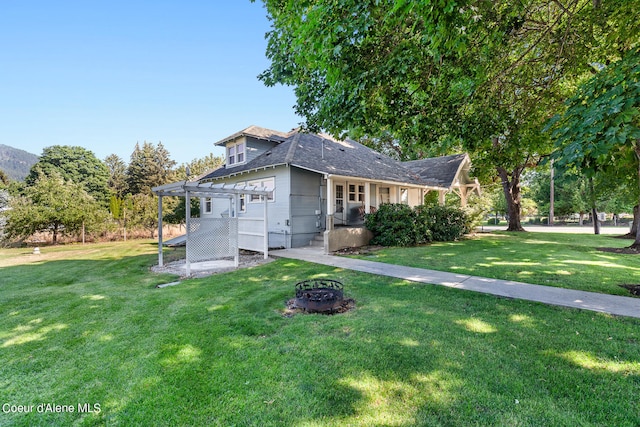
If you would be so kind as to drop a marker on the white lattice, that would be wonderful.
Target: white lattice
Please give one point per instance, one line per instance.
(212, 238)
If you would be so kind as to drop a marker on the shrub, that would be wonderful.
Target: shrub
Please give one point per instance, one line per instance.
(400, 225)
(393, 224)
(443, 223)
(493, 221)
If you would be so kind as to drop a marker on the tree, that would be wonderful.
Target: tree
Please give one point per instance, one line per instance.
(54, 205)
(149, 166)
(145, 212)
(117, 175)
(199, 166)
(477, 76)
(75, 164)
(601, 125)
(4, 178)
(175, 209)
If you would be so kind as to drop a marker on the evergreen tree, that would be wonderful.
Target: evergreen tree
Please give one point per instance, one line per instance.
(117, 175)
(149, 166)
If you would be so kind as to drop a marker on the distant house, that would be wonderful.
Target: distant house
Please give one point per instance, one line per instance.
(320, 187)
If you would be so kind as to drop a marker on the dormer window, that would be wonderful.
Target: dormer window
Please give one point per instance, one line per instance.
(235, 153)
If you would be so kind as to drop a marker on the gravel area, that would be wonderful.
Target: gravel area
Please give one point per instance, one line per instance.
(207, 268)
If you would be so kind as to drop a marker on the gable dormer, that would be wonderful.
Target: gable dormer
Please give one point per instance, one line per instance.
(246, 145)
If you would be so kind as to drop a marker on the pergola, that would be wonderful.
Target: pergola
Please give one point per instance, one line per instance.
(231, 192)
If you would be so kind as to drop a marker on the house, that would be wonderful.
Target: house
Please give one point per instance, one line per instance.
(319, 187)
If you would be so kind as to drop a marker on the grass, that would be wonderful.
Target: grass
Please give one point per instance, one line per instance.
(85, 325)
(563, 260)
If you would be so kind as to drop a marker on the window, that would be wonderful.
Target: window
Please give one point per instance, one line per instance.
(235, 153)
(356, 193)
(269, 183)
(208, 205)
(385, 196)
(339, 198)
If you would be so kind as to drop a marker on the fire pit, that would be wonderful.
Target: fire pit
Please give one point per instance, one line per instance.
(319, 295)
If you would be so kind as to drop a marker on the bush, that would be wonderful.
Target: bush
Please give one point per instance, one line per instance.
(442, 223)
(393, 224)
(400, 225)
(493, 221)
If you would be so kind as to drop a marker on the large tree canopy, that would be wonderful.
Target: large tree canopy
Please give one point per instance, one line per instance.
(75, 164)
(52, 204)
(442, 75)
(601, 125)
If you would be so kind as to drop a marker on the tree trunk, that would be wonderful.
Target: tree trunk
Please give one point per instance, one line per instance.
(594, 209)
(513, 197)
(636, 213)
(636, 219)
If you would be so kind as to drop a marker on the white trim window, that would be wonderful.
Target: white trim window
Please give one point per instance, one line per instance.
(356, 193)
(235, 153)
(269, 183)
(242, 199)
(208, 205)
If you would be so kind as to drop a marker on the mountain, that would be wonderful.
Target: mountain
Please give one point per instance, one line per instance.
(16, 163)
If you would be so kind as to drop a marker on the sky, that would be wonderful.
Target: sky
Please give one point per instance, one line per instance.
(108, 74)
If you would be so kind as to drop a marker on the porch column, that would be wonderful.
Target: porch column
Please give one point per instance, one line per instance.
(187, 208)
(160, 261)
(367, 197)
(463, 197)
(329, 225)
(441, 195)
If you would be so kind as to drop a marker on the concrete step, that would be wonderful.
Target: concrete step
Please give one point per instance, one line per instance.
(317, 241)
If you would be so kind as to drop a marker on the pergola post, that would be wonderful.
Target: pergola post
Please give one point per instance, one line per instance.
(187, 201)
(266, 228)
(233, 201)
(160, 261)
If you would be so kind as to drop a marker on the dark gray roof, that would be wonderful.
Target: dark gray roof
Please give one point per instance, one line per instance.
(324, 154)
(438, 171)
(256, 132)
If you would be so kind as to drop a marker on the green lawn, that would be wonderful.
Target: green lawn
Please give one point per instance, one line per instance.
(554, 259)
(85, 325)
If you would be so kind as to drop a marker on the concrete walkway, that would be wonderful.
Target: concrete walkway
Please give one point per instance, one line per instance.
(613, 304)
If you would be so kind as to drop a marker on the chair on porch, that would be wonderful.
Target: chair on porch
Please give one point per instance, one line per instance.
(361, 211)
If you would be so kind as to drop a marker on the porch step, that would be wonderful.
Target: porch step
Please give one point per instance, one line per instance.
(317, 241)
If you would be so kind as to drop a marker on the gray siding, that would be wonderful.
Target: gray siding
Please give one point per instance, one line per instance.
(256, 147)
(306, 199)
(277, 210)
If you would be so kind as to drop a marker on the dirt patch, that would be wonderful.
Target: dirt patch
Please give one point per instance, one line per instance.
(178, 267)
(362, 250)
(627, 250)
(633, 289)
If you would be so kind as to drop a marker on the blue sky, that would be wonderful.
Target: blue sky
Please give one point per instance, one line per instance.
(107, 74)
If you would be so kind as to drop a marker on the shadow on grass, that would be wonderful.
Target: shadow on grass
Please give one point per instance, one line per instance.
(217, 351)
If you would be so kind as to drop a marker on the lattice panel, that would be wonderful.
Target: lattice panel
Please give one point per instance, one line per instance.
(212, 238)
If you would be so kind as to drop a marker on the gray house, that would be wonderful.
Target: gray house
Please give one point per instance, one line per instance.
(321, 187)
